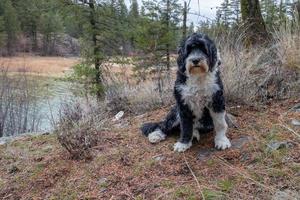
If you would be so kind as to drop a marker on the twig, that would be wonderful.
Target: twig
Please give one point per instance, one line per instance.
(165, 193)
(198, 184)
(290, 129)
(244, 175)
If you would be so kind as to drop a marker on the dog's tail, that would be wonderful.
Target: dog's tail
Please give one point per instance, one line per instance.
(167, 126)
(148, 128)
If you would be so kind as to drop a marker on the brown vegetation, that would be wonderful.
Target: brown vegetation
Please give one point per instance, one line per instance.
(127, 166)
(50, 66)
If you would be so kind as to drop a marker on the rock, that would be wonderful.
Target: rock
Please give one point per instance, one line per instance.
(158, 158)
(295, 122)
(231, 121)
(119, 115)
(205, 153)
(102, 182)
(296, 107)
(286, 195)
(236, 144)
(4, 140)
(275, 145)
(240, 142)
(13, 169)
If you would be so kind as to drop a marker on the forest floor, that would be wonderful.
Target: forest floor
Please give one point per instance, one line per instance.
(265, 165)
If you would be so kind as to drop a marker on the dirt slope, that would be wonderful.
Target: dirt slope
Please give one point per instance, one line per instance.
(127, 166)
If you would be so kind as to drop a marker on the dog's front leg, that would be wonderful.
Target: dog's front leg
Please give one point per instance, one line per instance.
(220, 125)
(186, 134)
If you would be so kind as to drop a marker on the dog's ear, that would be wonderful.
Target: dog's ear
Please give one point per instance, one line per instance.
(213, 54)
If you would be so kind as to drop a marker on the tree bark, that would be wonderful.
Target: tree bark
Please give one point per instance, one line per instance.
(184, 20)
(168, 29)
(256, 28)
(96, 50)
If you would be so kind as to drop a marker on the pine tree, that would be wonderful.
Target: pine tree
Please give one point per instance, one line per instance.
(50, 25)
(133, 20)
(2, 32)
(29, 12)
(251, 14)
(134, 9)
(167, 15)
(226, 13)
(191, 29)
(11, 26)
(236, 12)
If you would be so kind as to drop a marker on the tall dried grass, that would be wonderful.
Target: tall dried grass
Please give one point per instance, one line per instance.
(50, 66)
(260, 73)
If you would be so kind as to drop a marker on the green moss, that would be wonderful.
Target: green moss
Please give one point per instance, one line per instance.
(185, 192)
(211, 162)
(212, 194)
(167, 184)
(226, 185)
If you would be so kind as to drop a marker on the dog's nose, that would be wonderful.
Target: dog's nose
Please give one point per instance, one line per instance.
(195, 61)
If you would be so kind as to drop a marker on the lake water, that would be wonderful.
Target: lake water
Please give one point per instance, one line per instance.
(48, 94)
(56, 92)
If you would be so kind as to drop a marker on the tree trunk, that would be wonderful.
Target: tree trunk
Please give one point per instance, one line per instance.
(184, 20)
(168, 30)
(251, 15)
(96, 50)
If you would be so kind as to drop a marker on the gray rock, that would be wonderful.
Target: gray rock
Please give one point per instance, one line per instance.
(275, 145)
(296, 107)
(102, 181)
(286, 195)
(206, 153)
(240, 142)
(231, 120)
(13, 169)
(158, 158)
(119, 115)
(295, 122)
(236, 144)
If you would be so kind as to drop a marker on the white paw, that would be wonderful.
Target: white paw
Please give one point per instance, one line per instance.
(181, 147)
(196, 135)
(222, 143)
(156, 136)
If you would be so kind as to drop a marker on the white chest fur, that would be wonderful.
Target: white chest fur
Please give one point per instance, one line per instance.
(198, 92)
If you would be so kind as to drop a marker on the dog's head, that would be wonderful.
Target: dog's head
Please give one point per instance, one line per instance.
(197, 55)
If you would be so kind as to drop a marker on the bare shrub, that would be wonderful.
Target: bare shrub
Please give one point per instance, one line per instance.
(78, 126)
(141, 97)
(18, 100)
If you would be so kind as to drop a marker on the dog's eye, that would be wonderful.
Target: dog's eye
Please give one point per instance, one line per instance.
(190, 47)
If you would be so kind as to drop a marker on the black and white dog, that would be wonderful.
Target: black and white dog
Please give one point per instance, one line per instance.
(200, 104)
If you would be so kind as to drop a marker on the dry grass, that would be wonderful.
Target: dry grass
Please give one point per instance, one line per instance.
(139, 98)
(288, 46)
(127, 166)
(52, 66)
(260, 74)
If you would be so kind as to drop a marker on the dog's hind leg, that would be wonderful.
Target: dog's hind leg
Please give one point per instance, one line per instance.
(158, 131)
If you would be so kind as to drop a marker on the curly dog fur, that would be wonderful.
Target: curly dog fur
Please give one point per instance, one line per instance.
(198, 90)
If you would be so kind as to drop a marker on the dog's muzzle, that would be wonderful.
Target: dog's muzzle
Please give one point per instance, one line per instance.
(198, 66)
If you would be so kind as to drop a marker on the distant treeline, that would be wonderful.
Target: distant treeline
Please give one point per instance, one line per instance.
(53, 27)
(60, 27)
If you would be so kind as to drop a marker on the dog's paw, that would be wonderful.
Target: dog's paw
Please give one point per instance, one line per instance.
(196, 135)
(222, 143)
(156, 136)
(181, 147)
